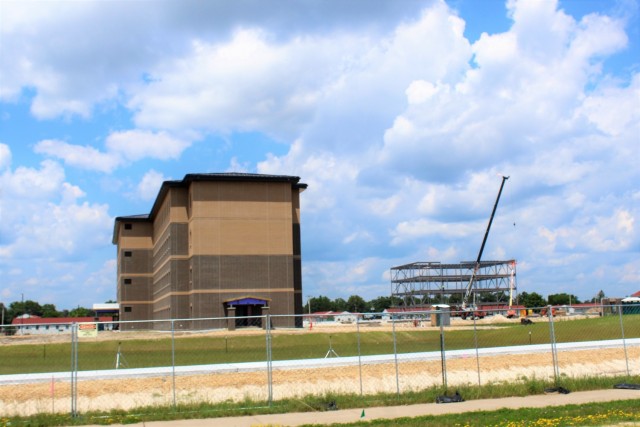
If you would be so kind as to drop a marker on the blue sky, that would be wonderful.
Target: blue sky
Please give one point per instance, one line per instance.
(400, 115)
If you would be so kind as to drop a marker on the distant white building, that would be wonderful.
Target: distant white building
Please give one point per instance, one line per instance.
(405, 313)
(35, 325)
(346, 317)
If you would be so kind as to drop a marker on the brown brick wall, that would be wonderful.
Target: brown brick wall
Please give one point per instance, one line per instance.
(212, 242)
(135, 261)
(241, 272)
(180, 239)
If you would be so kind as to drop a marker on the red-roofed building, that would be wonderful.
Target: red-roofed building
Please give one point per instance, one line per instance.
(321, 316)
(35, 325)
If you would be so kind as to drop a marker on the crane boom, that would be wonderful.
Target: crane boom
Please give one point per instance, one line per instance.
(467, 295)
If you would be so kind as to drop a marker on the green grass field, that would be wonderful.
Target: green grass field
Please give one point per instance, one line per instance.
(197, 350)
(609, 413)
(593, 414)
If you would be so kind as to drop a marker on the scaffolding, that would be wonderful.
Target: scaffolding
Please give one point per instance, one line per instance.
(421, 283)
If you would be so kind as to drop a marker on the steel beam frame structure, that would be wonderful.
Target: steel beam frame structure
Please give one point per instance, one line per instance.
(416, 284)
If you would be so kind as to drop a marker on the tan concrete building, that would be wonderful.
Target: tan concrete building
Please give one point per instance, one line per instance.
(213, 246)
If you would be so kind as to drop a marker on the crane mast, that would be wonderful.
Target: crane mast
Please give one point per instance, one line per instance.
(467, 295)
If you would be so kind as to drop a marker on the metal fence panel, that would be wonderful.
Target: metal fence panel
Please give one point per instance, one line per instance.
(419, 348)
(505, 350)
(587, 343)
(214, 365)
(377, 361)
(630, 330)
(265, 359)
(321, 358)
(132, 366)
(35, 373)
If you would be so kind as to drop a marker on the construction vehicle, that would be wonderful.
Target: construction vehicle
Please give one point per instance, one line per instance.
(544, 312)
(470, 309)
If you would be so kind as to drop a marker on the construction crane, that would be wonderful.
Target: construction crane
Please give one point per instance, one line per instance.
(466, 308)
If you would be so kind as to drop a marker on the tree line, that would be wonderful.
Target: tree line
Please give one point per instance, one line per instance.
(354, 304)
(33, 308)
(357, 304)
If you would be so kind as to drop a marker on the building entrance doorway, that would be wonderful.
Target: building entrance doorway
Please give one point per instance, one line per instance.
(248, 310)
(245, 315)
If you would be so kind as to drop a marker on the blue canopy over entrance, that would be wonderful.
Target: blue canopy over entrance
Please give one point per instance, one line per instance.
(247, 309)
(247, 300)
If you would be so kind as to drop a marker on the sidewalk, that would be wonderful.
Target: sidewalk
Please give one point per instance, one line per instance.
(390, 412)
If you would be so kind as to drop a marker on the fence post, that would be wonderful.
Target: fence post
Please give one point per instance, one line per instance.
(395, 354)
(269, 361)
(475, 339)
(624, 342)
(74, 370)
(359, 353)
(173, 360)
(554, 349)
(443, 358)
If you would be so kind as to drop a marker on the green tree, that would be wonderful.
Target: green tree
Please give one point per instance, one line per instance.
(379, 304)
(563, 299)
(339, 304)
(356, 304)
(457, 299)
(599, 296)
(531, 300)
(49, 310)
(493, 297)
(319, 303)
(18, 308)
(81, 312)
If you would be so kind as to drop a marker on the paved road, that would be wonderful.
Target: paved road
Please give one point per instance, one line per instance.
(352, 415)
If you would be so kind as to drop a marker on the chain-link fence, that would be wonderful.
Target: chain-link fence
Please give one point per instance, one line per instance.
(101, 366)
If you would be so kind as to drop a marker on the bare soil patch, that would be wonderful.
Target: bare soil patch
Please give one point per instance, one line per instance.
(27, 399)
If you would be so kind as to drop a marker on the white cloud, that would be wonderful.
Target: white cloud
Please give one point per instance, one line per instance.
(399, 131)
(32, 184)
(321, 171)
(48, 235)
(358, 235)
(84, 157)
(412, 230)
(540, 110)
(47, 220)
(75, 55)
(101, 281)
(343, 279)
(121, 147)
(615, 110)
(385, 206)
(150, 184)
(614, 233)
(5, 156)
(240, 84)
(137, 144)
(236, 166)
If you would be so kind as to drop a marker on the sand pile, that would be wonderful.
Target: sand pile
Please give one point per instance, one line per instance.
(28, 399)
